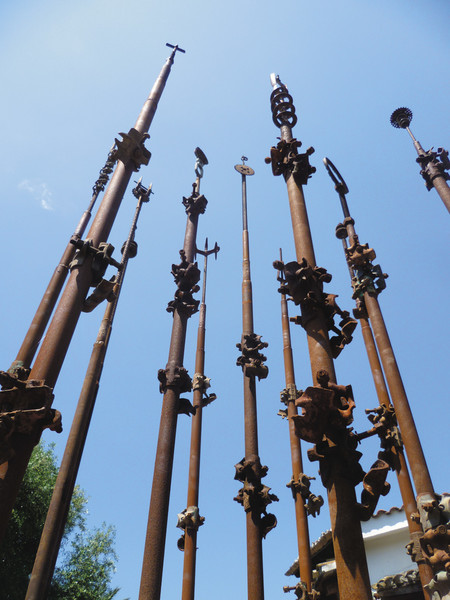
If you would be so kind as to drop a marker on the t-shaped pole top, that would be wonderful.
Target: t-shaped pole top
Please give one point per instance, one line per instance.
(175, 48)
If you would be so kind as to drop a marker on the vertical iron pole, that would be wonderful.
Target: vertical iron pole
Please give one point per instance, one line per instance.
(357, 257)
(53, 530)
(253, 495)
(30, 344)
(191, 516)
(298, 483)
(174, 380)
(131, 154)
(351, 564)
(434, 165)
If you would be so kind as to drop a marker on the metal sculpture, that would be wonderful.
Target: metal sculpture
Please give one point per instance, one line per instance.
(52, 532)
(21, 366)
(305, 502)
(189, 519)
(434, 166)
(25, 406)
(368, 280)
(253, 496)
(326, 406)
(174, 380)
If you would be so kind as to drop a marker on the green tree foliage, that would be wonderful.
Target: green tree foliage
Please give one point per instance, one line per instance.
(88, 561)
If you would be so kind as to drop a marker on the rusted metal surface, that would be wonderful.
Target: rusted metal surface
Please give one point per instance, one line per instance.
(29, 347)
(434, 166)
(339, 466)
(253, 496)
(368, 282)
(190, 520)
(305, 502)
(174, 380)
(52, 532)
(50, 358)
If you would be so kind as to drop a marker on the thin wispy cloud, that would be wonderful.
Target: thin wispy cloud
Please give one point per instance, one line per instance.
(39, 191)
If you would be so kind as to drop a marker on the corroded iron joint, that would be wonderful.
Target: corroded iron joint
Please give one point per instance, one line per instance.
(301, 591)
(17, 371)
(25, 409)
(104, 291)
(250, 469)
(286, 161)
(374, 486)
(414, 548)
(304, 284)
(370, 279)
(435, 545)
(360, 312)
(385, 426)
(190, 518)
(290, 394)
(254, 496)
(131, 150)
(301, 486)
(195, 204)
(202, 383)
(433, 164)
(358, 255)
(251, 360)
(186, 275)
(102, 258)
(174, 378)
(327, 410)
(344, 330)
(430, 513)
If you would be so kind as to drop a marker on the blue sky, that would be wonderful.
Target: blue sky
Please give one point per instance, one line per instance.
(74, 75)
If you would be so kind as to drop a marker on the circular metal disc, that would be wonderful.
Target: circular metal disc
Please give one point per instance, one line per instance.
(244, 169)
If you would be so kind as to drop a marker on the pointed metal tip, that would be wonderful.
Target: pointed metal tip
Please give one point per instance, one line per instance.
(339, 182)
(275, 80)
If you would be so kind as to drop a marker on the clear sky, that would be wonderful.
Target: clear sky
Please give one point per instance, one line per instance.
(76, 74)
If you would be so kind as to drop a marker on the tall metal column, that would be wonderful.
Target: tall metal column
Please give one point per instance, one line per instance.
(368, 282)
(53, 530)
(305, 502)
(327, 407)
(433, 165)
(189, 519)
(253, 496)
(383, 417)
(25, 407)
(174, 380)
(24, 358)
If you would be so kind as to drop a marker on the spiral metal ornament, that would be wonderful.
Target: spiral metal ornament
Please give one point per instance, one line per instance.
(104, 174)
(401, 118)
(283, 109)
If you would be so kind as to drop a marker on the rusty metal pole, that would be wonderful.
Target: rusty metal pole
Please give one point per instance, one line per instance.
(53, 530)
(433, 165)
(24, 358)
(253, 496)
(174, 380)
(190, 520)
(304, 501)
(94, 253)
(339, 473)
(368, 282)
